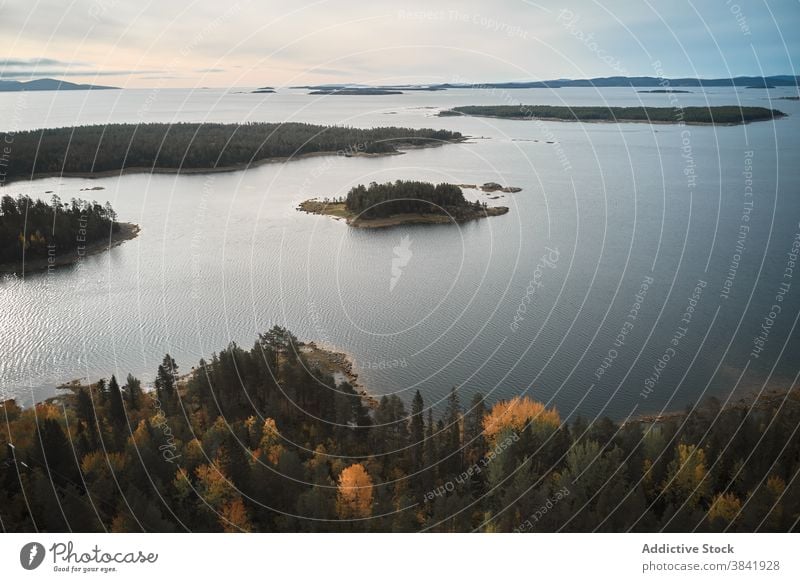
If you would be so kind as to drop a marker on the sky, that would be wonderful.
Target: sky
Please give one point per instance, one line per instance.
(251, 43)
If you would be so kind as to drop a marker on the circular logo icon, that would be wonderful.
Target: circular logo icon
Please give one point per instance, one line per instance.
(31, 555)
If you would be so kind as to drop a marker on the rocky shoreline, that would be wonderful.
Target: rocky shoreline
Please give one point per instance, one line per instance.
(338, 211)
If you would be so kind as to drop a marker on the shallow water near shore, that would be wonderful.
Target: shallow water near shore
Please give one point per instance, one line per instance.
(485, 306)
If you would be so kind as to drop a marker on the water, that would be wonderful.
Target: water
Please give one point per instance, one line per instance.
(223, 257)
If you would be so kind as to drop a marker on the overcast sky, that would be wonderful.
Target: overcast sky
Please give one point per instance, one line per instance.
(247, 43)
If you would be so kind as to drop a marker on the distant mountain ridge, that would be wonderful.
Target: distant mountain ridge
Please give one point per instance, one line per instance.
(48, 85)
(776, 81)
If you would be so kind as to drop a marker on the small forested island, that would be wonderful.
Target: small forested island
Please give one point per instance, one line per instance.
(195, 147)
(664, 91)
(402, 202)
(490, 187)
(265, 439)
(356, 91)
(37, 236)
(714, 115)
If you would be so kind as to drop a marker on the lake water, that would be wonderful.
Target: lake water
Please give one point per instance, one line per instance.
(223, 257)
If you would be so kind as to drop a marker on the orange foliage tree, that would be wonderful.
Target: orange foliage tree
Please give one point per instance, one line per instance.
(354, 499)
(516, 414)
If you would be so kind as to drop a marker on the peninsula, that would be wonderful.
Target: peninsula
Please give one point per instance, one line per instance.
(715, 115)
(37, 236)
(402, 202)
(96, 150)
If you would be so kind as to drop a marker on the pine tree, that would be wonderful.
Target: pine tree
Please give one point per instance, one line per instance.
(165, 384)
(417, 430)
(133, 391)
(116, 406)
(452, 434)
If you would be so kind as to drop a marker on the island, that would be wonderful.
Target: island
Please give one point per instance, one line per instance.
(96, 150)
(38, 236)
(714, 115)
(668, 91)
(264, 90)
(490, 187)
(356, 91)
(402, 202)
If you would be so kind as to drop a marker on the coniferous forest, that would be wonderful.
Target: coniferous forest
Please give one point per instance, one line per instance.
(262, 440)
(723, 114)
(36, 229)
(406, 196)
(195, 146)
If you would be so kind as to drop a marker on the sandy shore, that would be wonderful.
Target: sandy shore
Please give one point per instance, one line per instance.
(127, 231)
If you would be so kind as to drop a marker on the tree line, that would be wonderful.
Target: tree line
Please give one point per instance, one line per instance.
(36, 229)
(102, 148)
(260, 439)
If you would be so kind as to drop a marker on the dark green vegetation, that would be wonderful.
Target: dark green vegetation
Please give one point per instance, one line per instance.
(356, 91)
(38, 230)
(260, 439)
(728, 114)
(194, 146)
(402, 202)
(664, 91)
(407, 197)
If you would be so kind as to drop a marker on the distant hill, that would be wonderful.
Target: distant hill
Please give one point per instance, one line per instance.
(48, 85)
(762, 82)
(775, 81)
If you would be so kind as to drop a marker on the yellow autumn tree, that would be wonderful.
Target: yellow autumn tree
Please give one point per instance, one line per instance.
(688, 474)
(270, 447)
(354, 498)
(213, 486)
(516, 414)
(725, 507)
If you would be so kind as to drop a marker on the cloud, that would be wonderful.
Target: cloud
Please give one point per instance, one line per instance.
(38, 73)
(38, 62)
(300, 42)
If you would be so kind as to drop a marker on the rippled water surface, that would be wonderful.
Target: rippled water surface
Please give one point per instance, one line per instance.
(222, 257)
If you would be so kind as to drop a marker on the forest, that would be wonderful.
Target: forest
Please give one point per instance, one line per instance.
(260, 439)
(193, 146)
(407, 197)
(725, 114)
(36, 229)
